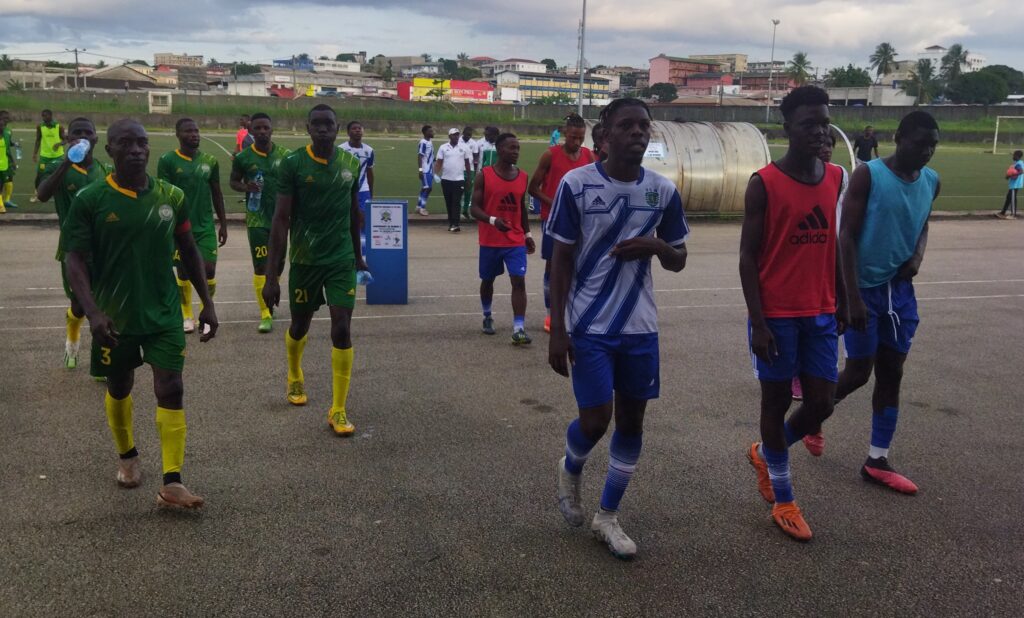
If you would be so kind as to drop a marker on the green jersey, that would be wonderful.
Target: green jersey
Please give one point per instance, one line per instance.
(5, 162)
(50, 146)
(130, 237)
(321, 191)
(75, 179)
(193, 175)
(250, 162)
(488, 154)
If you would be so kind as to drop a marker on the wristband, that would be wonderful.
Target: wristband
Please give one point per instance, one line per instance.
(529, 235)
(493, 220)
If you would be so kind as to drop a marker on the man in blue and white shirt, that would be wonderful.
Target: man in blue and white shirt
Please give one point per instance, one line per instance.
(425, 167)
(608, 220)
(355, 147)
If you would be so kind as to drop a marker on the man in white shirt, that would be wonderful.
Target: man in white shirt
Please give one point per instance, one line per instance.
(474, 153)
(453, 162)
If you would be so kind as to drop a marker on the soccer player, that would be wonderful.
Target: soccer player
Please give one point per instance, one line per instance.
(61, 181)
(8, 162)
(473, 146)
(254, 172)
(425, 165)
(883, 237)
(198, 175)
(865, 145)
(452, 163)
(554, 163)
(318, 201)
(556, 136)
(488, 150)
(128, 226)
(609, 219)
(355, 147)
(49, 146)
(499, 204)
(243, 135)
(1015, 181)
(792, 285)
(597, 136)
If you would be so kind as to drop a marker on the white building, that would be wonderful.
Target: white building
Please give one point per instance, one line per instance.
(519, 65)
(935, 53)
(177, 60)
(875, 95)
(335, 66)
(424, 69)
(278, 83)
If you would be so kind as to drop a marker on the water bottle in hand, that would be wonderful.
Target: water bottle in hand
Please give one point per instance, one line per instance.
(253, 203)
(364, 277)
(78, 152)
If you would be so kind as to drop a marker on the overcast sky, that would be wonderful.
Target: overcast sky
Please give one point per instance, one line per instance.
(832, 32)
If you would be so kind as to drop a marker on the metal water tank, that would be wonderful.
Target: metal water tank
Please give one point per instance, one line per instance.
(710, 162)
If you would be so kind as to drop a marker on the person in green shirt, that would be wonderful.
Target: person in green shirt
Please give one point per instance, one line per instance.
(50, 140)
(129, 226)
(7, 175)
(318, 201)
(198, 175)
(254, 172)
(62, 180)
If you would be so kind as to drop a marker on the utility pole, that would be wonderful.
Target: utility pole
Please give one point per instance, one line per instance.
(295, 84)
(771, 72)
(583, 37)
(75, 51)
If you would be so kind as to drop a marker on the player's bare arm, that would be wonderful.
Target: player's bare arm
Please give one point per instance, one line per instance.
(239, 184)
(560, 354)
(275, 253)
(671, 258)
(369, 179)
(537, 180)
(356, 224)
(531, 246)
(762, 342)
(193, 262)
(912, 266)
(854, 207)
(39, 140)
(100, 324)
(51, 183)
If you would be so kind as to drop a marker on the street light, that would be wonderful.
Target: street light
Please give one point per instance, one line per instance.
(771, 72)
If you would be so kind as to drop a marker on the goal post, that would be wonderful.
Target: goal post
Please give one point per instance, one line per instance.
(995, 137)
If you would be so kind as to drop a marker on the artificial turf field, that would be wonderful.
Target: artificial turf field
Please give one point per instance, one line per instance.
(972, 179)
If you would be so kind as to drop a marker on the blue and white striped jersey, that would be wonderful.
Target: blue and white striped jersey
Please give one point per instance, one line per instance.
(365, 155)
(610, 296)
(427, 152)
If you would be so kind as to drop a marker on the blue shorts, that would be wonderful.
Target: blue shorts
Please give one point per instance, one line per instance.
(494, 260)
(428, 180)
(547, 244)
(892, 320)
(364, 198)
(626, 364)
(806, 345)
(534, 206)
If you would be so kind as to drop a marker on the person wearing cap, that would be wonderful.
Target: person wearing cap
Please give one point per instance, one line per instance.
(453, 161)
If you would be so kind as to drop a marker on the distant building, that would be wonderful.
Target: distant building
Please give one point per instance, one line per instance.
(869, 96)
(734, 63)
(336, 66)
(478, 61)
(899, 75)
(428, 89)
(674, 70)
(294, 64)
(274, 82)
(708, 83)
(178, 60)
(764, 67)
(529, 86)
(936, 52)
(514, 64)
(122, 77)
(380, 63)
(425, 69)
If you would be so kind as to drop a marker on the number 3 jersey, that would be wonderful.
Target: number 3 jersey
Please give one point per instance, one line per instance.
(593, 212)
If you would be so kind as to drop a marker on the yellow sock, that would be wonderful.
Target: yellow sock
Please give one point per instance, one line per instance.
(211, 285)
(295, 349)
(185, 289)
(8, 191)
(258, 281)
(341, 369)
(74, 326)
(170, 424)
(119, 417)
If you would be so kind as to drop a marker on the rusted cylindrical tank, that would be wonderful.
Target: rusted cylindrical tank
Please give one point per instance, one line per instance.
(710, 162)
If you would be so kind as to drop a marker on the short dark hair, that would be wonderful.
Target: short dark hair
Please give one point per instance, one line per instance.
(321, 107)
(181, 121)
(575, 120)
(598, 127)
(467, 129)
(77, 120)
(612, 108)
(1016, 153)
(491, 131)
(503, 138)
(246, 116)
(352, 123)
(424, 129)
(868, 127)
(804, 95)
(47, 111)
(261, 116)
(917, 120)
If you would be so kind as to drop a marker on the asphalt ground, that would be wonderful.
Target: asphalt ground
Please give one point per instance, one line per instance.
(443, 503)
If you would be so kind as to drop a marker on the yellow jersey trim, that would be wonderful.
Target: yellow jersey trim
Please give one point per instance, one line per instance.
(178, 152)
(80, 170)
(309, 151)
(116, 187)
(262, 154)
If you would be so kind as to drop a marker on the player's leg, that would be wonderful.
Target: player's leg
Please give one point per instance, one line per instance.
(547, 248)
(339, 289)
(486, 298)
(7, 185)
(1006, 203)
(861, 346)
(305, 296)
(170, 424)
(185, 294)
(259, 239)
(467, 196)
(117, 366)
(817, 362)
(428, 186)
(73, 319)
(490, 267)
(515, 261)
(458, 190)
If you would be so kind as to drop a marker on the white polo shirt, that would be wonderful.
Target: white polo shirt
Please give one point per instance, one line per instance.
(453, 161)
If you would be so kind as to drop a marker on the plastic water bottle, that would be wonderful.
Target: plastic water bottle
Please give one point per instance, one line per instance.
(17, 150)
(363, 277)
(78, 152)
(253, 205)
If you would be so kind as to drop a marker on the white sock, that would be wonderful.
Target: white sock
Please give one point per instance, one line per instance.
(874, 452)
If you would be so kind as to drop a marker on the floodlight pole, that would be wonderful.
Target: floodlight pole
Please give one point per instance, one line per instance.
(583, 36)
(771, 73)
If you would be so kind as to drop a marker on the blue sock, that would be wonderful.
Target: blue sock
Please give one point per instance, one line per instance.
(883, 426)
(422, 202)
(577, 448)
(487, 308)
(778, 471)
(519, 322)
(623, 453)
(547, 291)
(792, 437)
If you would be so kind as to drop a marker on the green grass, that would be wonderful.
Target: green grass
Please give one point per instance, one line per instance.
(972, 179)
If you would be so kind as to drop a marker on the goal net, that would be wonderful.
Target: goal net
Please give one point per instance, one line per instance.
(1012, 129)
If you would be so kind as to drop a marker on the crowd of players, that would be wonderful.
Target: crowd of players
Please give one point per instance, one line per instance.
(807, 276)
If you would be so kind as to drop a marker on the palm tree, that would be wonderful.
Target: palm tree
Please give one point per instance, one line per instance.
(954, 61)
(883, 61)
(922, 82)
(463, 56)
(426, 57)
(6, 64)
(800, 68)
